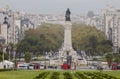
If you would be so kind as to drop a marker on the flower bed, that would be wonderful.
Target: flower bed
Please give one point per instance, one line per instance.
(94, 75)
(67, 75)
(42, 75)
(55, 75)
(73, 75)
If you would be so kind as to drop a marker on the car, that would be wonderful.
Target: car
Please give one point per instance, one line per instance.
(23, 66)
(118, 67)
(42, 66)
(31, 66)
(91, 67)
(64, 66)
(100, 68)
(50, 67)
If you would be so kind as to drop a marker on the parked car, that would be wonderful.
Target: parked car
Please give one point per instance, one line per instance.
(93, 66)
(36, 65)
(64, 66)
(23, 66)
(118, 67)
(31, 66)
(115, 66)
(50, 67)
(42, 66)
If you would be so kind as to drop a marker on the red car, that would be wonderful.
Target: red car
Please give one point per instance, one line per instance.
(114, 66)
(36, 65)
(65, 66)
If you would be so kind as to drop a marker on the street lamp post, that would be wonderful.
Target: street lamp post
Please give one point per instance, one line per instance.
(9, 48)
(49, 59)
(14, 53)
(3, 53)
(14, 56)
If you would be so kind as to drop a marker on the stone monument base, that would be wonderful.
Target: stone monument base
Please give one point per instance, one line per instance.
(63, 56)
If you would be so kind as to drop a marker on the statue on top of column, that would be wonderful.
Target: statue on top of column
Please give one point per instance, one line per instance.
(67, 15)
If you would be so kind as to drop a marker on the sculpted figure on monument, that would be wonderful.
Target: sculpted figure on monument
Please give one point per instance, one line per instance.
(67, 15)
(69, 59)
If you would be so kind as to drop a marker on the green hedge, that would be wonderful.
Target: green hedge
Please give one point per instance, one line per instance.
(42, 75)
(1, 70)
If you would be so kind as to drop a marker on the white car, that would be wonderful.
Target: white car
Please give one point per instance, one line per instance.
(91, 67)
(22, 66)
(31, 66)
(42, 66)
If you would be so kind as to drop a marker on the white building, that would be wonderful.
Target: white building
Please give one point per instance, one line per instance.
(15, 28)
(110, 20)
(3, 32)
(6, 64)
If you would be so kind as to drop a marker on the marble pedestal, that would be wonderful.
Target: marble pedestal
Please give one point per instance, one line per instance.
(67, 45)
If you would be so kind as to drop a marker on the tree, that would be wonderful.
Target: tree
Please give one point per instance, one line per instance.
(27, 57)
(49, 37)
(1, 55)
(117, 58)
(90, 39)
(109, 58)
(43, 39)
(105, 46)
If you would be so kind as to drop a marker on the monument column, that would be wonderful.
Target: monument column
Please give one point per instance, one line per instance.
(67, 54)
(67, 36)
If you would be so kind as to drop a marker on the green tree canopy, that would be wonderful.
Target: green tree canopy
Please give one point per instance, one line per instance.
(109, 58)
(27, 57)
(1, 55)
(49, 37)
(90, 39)
(43, 39)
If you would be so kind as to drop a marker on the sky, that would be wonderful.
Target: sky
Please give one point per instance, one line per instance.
(58, 6)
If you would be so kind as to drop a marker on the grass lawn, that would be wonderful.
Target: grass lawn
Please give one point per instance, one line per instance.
(30, 74)
(113, 73)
